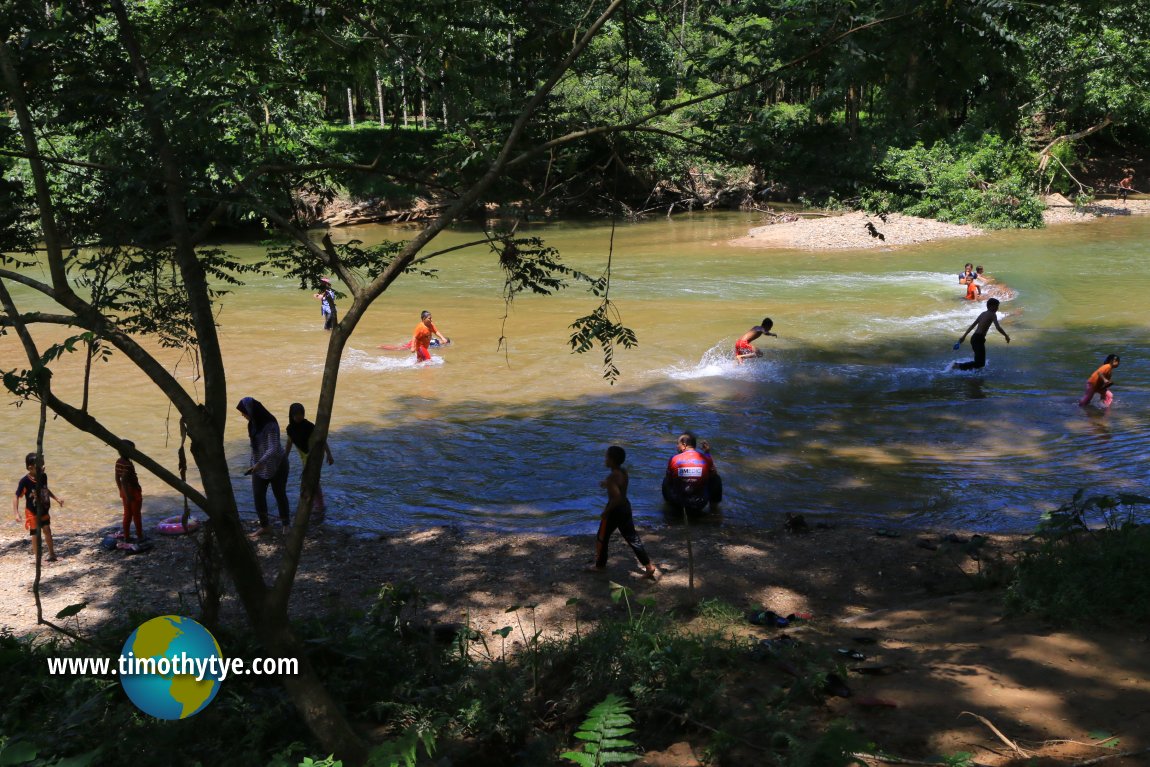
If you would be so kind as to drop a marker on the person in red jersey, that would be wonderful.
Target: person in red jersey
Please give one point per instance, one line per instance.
(691, 481)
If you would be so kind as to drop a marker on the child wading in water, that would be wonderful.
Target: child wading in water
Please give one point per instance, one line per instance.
(617, 516)
(744, 349)
(1100, 382)
(130, 493)
(978, 340)
(30, 486)
(299, 435)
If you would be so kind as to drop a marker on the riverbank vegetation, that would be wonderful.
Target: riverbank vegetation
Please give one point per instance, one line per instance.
(511, 692)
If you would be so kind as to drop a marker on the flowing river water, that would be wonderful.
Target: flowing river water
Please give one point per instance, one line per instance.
(851, 414)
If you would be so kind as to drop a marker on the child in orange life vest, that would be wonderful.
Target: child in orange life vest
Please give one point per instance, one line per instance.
(744, 349)
(973, 290)
(1100, 382)
(30, 486)
(131, 493)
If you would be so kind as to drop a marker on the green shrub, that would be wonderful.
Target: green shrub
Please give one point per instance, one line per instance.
(980, 182)
(1077, 573)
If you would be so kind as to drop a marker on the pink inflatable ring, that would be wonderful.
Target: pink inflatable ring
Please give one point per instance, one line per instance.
(175, 526)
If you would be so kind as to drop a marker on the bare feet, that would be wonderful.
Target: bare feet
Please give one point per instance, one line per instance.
(653, 573)
(261, 531)
(594, 569)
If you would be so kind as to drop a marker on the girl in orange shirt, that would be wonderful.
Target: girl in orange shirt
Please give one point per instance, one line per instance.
(1100, 382)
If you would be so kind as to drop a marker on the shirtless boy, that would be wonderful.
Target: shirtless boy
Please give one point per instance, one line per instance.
(744, 349)
(981, 326)
(617, 516)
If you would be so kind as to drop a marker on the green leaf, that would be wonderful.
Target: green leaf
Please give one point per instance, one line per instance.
(17, 752)
(583, 760)
(80, 760)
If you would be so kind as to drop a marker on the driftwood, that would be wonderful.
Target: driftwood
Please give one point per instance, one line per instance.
(1017, 749)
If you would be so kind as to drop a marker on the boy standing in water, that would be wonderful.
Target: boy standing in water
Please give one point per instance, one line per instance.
(421, 337)
(1126, 186)
(34, 489)
(1100, 382)
(299, 431)
(131, 494)
(617, 516)
(744, 349)
(978, 340)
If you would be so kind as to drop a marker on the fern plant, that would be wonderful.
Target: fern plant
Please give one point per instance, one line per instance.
(603, 734)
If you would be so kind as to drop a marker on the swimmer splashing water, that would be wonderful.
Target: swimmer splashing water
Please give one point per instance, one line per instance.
(743, 348)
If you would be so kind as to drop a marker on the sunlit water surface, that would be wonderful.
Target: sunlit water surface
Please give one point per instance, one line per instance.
(851, 414)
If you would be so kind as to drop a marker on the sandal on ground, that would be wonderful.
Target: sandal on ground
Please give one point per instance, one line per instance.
(594, 569)
(766, 618)
(260, 531)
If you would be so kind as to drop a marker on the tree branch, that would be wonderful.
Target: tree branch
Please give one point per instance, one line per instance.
(56, 160)
(39, 172)
(76, 417)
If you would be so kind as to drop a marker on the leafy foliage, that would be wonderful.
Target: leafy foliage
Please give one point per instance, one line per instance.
(1085, 543)
(604, 733)
(980, 182)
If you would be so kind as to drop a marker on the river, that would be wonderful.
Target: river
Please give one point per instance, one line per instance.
(851, 414)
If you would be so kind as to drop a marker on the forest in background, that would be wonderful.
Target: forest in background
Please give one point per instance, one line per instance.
(944, 109)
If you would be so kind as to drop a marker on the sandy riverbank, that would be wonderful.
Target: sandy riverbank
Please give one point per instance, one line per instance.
(850, 231)
(951, 647)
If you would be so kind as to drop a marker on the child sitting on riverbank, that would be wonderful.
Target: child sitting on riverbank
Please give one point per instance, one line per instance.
(744, 349)
(1100, 382)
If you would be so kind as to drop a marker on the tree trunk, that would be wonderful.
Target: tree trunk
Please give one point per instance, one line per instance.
(350, 110)
(379, 99)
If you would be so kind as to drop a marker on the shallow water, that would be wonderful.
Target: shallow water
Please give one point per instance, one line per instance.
(850, 414)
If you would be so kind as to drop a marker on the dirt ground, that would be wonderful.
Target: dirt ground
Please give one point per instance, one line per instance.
(946, 648)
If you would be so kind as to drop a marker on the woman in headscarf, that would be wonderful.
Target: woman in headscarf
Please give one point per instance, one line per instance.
(269, 462)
